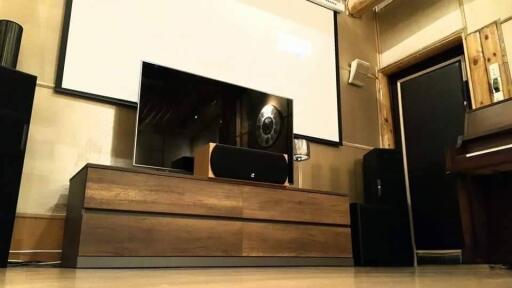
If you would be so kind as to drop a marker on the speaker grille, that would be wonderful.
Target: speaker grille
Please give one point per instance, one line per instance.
(248, 164)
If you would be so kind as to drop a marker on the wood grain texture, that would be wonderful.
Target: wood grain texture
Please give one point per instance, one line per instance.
(359, 7)
(269, 239)
(137, 234)
(122, 234)
(479, 79)
(37, 232)
(202, 161)
(120, 190)
(130, 191)
(261, 203)
(122, 212)
(212, 180)
(443, 276)
(387, 137)
(492, 49)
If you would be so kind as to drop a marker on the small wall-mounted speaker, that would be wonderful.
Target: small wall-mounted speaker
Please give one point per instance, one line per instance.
(359, 70)
(224, 161)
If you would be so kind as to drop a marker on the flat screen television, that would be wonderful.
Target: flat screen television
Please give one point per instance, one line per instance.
(179, 112)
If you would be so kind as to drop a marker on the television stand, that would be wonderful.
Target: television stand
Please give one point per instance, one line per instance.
(132, 217)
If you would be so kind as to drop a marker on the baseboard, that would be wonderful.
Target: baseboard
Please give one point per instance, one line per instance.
(181, 262)
(37, 237)
(439, 257)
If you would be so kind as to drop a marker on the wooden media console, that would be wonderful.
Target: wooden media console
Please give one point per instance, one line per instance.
(131, 217)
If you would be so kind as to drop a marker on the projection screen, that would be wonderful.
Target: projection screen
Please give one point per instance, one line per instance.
(282, 47)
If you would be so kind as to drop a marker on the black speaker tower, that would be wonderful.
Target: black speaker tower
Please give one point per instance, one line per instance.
(381, 233)
(16, 97)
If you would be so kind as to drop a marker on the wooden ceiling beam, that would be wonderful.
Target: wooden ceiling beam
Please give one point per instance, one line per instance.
(359, 7)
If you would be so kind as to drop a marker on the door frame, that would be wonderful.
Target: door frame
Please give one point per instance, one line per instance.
(460, 59)
(384, 99)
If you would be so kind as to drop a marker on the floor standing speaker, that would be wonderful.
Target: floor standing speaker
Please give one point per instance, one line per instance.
(381, 231)
(16, 98)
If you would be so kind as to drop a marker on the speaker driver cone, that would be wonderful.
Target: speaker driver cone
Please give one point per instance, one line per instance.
(268, 125)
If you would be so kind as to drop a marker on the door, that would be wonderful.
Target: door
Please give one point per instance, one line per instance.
(432, 107)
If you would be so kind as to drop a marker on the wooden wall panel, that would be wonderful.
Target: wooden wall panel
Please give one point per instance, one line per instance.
(484, 47)
(360, 7)
(479, 80)
(493, 53)
(36, 233)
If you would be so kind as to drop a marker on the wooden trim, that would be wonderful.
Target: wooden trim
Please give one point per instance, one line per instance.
(154, 262)
(480, 85)
(505, 61)
(428, 51)
(387, 138)
(359, 7)
(40, 216)
(468, 70)
(493, 53)
(37, 237)
(358, 146)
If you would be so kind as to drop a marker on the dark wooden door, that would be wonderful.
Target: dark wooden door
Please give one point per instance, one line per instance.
(432, 110)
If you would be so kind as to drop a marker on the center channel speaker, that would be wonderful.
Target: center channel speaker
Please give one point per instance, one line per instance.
(224, 161)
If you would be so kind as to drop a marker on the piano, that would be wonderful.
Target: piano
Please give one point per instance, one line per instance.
(482, 165)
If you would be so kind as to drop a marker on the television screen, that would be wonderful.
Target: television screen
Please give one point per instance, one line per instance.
(179, 112)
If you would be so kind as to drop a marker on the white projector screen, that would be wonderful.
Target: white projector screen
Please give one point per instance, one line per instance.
(281, 47)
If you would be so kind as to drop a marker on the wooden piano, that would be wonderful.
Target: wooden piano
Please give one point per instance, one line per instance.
(482, 164)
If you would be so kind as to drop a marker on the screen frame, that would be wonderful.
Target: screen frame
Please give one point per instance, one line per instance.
(134, 105)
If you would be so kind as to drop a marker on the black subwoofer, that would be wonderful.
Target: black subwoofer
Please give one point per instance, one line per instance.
(224, 161)
(381, 236)
(381, 231)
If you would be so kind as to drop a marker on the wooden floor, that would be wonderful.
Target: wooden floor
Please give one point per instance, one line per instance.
(438, 277)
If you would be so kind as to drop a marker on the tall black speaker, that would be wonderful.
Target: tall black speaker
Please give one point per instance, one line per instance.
(16, 98)
(381, 232)
(383, 178)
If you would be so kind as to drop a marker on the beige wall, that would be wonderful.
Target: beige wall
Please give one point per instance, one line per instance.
(407, 26)
(67, 132)
(479, 13)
